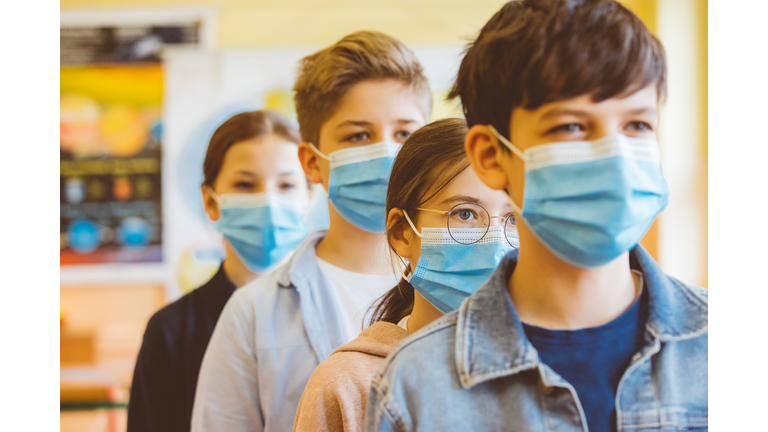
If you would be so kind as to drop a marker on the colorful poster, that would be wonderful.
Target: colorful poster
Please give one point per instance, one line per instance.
(110, 165)
(110, 142)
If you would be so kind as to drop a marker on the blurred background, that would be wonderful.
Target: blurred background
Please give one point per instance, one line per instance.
(145, 83)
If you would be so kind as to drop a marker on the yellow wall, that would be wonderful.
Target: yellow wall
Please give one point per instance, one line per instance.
(256, 23)
(317, 22)
(259, 23)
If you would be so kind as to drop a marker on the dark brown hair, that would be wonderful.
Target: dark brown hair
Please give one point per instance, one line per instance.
(325, 76)
(533, 52)
(242, 127)
(430, 158)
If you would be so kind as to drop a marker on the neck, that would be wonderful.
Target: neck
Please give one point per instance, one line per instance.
(235, 268)
(423, 313)
(353, 249)
(548, 292)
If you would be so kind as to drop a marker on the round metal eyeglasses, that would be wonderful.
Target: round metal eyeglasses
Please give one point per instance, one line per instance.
(468, 223)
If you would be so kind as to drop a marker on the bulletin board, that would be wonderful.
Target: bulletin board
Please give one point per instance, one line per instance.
(111, 150)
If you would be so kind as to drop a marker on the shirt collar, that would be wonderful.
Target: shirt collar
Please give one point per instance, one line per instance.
(491, 342)
(294, 272)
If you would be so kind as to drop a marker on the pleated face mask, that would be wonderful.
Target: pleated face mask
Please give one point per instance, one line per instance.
(448, 271)
(591, 201)
(262, 228)
(357, 187)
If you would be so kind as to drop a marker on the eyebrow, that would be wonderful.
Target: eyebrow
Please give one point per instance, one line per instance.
(563, 111)
(246, 173)
(646, 110)
(579, 113)
(363, 123)
(461, 199)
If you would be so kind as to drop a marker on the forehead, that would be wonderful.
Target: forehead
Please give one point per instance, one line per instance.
(261, 154)
(380, 101)
(644, 99)
(466, 184)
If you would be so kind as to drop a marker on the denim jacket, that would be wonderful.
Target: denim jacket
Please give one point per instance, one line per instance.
(475, 370)
(271, 335)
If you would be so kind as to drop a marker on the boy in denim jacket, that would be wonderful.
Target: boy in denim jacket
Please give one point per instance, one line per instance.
(579, 329)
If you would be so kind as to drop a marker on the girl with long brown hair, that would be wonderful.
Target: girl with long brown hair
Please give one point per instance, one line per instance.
(253, 181)
(447, 232)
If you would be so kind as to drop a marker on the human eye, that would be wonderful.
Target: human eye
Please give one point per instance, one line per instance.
(358, 137)
(639, 126)
(567, 128)
(244, 186)
(287, 186)
(401, 136)
(464, 214)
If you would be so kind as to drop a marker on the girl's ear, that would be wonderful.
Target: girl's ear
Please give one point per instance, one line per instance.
(210, 204)
(486, 157)
(309, 163)
(396, 233)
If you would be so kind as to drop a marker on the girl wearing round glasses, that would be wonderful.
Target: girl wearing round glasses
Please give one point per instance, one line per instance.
(447, 232)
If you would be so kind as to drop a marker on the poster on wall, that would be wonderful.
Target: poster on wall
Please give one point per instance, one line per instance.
(111, 141)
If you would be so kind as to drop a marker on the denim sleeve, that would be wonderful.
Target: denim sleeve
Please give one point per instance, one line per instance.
(227, 397)
(377, 416)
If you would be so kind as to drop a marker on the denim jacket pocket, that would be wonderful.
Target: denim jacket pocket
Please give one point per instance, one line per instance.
(666, 419)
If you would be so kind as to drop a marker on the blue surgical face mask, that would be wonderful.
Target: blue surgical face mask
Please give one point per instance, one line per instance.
(357, 187)
(448, 272)
(262, 228)
(589, 202)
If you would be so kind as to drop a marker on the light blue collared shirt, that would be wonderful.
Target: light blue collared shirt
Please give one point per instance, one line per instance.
(271, 335)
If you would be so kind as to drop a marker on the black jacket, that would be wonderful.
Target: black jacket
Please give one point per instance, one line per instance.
(165, 377)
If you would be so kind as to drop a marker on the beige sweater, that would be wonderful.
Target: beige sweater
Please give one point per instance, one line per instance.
(335, 396)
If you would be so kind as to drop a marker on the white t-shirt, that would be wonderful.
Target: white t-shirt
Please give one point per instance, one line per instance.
(354, 293)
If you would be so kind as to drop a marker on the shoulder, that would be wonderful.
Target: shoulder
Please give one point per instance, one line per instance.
(253, 295)
(166, 324)
(694, 308)
(694, 293)
(431, 348)
(427, 356)
(343, 371)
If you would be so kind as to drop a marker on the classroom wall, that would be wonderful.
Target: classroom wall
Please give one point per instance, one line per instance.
(678, 239)
(301, 22)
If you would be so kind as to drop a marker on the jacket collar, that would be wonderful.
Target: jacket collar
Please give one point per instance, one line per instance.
(491, 341)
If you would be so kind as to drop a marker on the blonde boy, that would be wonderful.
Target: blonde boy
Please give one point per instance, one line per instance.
(356, 101)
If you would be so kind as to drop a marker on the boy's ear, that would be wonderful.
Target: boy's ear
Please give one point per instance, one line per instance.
(486, 157)
(398, 238)
(210, 204)
(309, 160)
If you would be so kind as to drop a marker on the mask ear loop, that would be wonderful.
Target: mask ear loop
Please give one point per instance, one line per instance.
(411, 223)
(213, 193)
(317, 152)
(517, 152)
(408, 278)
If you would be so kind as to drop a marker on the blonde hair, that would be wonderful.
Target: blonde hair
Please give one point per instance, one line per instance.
(325, 76)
